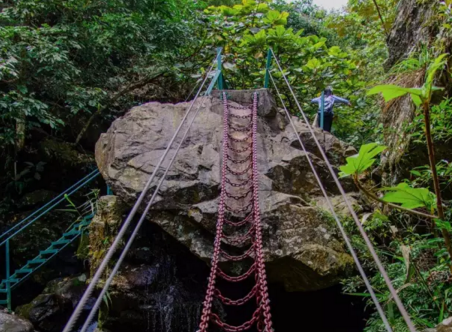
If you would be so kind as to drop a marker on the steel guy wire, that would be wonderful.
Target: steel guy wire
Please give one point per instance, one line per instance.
(369, 244)
(339, 224)
(73, 319)
(137, 227)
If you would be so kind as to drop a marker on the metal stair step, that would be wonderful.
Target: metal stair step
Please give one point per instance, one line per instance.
(11, 280)
(3, 302)
(60, 242)
(48, 251)
(71, 233)
(36, 261)
(23, 270)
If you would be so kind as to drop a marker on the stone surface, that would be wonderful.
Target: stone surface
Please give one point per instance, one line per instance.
(103, 228)
(160, 287)
(445, 326)
(12, 323)
(50, 310)
(298, 237)
(414, 25)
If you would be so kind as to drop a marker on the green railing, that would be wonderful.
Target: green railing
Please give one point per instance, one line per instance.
(12, 280)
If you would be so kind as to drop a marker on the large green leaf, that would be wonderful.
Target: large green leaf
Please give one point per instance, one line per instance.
(391, 91)
(313, 64)
(434, 67)
(357, 164)
(409, 197)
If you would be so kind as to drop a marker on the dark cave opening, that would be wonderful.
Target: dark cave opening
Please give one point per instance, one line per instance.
(327, 310)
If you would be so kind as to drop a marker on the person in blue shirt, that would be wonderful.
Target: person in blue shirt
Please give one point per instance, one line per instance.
(329, 102)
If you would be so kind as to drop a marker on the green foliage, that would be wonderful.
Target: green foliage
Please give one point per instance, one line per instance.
(410, 198)
(246, 32)
(421, 95)
(441, 120)
(47, 47)
(415, 266)
(390, 92)
(359, 163)
(62, 61)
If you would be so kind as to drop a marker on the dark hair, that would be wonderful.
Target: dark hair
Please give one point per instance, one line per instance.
(328, 91)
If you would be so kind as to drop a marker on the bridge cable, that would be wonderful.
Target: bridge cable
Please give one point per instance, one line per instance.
(137, 227)
(103, 265)
(339, 224)
(369, 244)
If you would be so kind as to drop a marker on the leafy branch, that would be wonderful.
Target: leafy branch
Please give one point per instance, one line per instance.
(409, 198)
(422, 98)
(115, 97)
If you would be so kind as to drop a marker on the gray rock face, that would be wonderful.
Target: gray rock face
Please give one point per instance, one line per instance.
(413, 27)
(12, 323)
(302, 248)
(445, 326)
(160, 286)
(50, 310)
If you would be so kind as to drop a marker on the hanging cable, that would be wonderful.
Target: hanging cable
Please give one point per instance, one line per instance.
(339, 224)
(137, 227)
(75, 315)
(369, 244)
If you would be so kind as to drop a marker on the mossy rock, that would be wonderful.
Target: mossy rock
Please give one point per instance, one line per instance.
(64, 152)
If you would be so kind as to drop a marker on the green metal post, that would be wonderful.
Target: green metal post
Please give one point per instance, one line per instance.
(8, 272)
(219, 68)
(322, 109)
(267, 69)
(109, 192)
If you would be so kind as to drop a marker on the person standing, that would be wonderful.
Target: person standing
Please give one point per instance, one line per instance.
(329, 101)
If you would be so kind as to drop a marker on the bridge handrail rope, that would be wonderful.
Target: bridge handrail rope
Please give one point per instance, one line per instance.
(336, 218)
(369, 244)
(81, 304)
(137, 227)
(47, 207)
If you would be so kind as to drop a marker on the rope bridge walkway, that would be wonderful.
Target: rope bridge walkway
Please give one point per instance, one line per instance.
(239, 199)
(238, 224)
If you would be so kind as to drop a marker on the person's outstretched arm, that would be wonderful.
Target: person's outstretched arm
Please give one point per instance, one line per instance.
(342, 100)
(316, 100)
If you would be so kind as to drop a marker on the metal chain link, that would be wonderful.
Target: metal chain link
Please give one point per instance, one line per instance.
(261, 316)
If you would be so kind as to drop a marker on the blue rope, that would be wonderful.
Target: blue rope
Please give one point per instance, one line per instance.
(57, 199)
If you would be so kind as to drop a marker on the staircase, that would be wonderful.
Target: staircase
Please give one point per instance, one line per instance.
(11, 281)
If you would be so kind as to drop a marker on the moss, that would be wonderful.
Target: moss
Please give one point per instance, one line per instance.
(64, 152)
(83, 247)
(24, 310)
(103, 316)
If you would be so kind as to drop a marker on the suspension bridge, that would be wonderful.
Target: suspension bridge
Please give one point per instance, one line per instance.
(238, 222)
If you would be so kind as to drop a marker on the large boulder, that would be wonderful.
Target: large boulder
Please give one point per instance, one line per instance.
(12, 323)
(302, 247)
